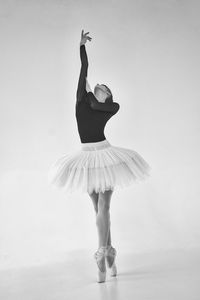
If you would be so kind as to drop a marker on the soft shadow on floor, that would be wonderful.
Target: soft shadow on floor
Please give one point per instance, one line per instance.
(158, 275)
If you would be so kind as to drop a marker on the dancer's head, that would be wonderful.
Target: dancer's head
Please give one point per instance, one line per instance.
(103, 93)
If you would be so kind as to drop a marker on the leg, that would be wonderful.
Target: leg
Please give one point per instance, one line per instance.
(103, 217)
(101, 204)
(95, 196)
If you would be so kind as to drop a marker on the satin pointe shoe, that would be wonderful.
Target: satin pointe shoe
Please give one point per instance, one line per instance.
(99, 256)
(110, 260)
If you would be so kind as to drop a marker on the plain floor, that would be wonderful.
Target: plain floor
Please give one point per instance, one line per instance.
(160, 275)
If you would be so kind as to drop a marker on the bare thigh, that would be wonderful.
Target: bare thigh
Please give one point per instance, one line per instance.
(95, 196)
(104, 199)
(101, 199)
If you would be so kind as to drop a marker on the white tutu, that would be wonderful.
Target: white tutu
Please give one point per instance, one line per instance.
(98, 166)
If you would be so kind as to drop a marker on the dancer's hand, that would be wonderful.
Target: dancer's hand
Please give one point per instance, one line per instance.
(84, 38)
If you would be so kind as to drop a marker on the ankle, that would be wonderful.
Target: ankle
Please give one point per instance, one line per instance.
(102, 248)
(108, 247)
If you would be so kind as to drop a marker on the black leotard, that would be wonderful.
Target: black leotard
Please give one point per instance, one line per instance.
(91, 115)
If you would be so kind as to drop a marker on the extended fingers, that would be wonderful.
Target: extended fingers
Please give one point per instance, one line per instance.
(84, 34)
(88, 37)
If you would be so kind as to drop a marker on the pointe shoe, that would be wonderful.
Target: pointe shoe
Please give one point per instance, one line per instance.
(99, 256)
(110, 260)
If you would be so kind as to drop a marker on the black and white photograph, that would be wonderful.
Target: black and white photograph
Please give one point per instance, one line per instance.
(100, 143)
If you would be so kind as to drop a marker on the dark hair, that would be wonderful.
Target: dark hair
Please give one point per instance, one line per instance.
(110, 97)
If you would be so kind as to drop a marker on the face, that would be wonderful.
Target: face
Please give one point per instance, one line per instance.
(100, 92)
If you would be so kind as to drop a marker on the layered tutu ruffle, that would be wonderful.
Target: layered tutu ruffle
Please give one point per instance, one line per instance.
(98, 166)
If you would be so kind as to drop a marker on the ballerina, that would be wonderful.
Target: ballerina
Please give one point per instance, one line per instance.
(98, 167)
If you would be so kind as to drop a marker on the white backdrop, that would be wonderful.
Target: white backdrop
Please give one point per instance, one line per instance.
(147, 52)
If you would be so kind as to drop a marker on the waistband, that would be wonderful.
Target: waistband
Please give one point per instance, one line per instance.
(95, 145)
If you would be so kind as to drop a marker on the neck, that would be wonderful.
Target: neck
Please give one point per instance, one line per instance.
(100, 100)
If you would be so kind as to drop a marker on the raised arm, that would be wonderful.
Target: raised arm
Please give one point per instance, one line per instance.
(84, 68)
(112, 107)
(83, 74)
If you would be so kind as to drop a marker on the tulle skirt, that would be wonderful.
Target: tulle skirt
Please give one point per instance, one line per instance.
(98, 166)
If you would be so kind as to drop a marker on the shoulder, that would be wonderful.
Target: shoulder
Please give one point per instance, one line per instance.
(116, 106)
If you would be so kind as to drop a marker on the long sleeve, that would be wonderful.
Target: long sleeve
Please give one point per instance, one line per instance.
(83, 74)
(112, 107)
